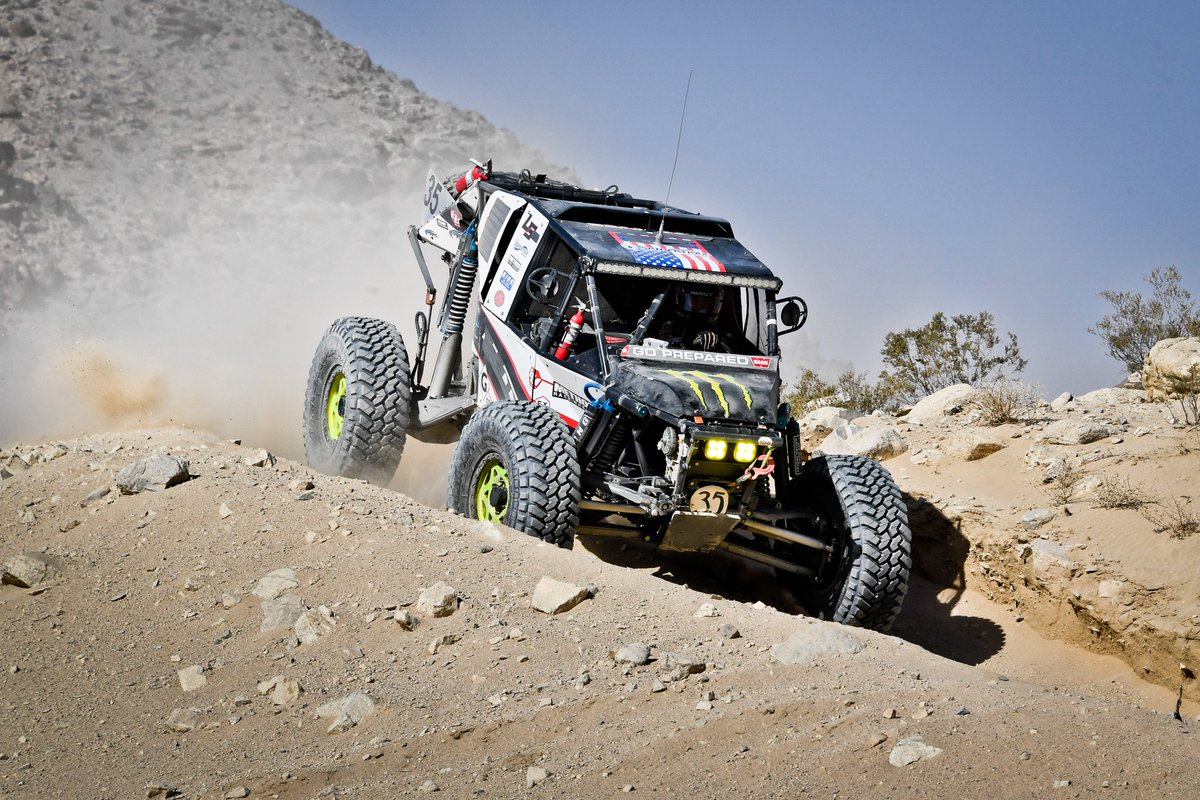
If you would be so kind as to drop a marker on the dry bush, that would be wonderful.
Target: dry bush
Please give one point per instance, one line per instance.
(1174, 517)
(1118, 492)
(1006, 401)
(1060, 487)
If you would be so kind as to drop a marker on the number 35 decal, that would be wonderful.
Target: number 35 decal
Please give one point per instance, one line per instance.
(710, 500)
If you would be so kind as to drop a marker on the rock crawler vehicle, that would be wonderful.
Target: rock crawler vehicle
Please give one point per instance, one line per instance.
(584, 406)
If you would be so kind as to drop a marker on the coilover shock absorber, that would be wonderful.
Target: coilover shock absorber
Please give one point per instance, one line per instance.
(454, 315)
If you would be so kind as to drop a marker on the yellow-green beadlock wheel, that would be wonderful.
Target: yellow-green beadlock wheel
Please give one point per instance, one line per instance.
(515, 464)
(491, 491)
(335, 406)
(358, 402)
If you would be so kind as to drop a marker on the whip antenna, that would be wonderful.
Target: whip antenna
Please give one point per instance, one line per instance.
(675, 163)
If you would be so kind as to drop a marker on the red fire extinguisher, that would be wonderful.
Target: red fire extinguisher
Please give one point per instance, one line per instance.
(479, 172)
(574, 325)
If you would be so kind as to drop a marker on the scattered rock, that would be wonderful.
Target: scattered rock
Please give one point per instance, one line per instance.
(1060, 403)
(347, 711)
(282, 690)
(428, 786)
(816, 641)
(275, 583)
(635, 653)
(192, 678)
(534, 776)
(259, 458)
(707, 610)
(236, 793)
(282, 612)
(152, 474)
(910, 751)
(1035, 518)
(26, 570)
(95, 495)
(974, 444)
(313, 624)
(552, 596)
(406, 619)
(439, 600)
(183, 720)
(160, 789)
(1073, 431)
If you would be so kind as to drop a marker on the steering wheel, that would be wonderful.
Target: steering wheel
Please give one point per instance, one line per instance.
(543, 284)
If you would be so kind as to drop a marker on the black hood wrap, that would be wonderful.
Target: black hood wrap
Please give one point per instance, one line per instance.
(688, 390)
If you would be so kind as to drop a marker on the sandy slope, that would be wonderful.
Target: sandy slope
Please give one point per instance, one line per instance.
(149, 584)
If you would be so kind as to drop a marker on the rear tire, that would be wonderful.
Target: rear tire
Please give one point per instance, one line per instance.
(357, 405)
(864, 580)
(516, 464)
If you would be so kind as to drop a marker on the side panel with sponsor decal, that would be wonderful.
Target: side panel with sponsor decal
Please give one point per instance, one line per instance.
(441, 225)
(515, 371)
(515, 262)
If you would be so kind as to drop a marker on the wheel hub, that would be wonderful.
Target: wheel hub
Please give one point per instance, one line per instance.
(491, 491)
(335, 406)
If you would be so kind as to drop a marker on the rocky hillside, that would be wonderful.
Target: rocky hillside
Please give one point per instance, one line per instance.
(204, 183)
(1077, 514)
(184, 616)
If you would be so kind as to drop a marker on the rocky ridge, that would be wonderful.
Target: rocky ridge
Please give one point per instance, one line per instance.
(1066, 517)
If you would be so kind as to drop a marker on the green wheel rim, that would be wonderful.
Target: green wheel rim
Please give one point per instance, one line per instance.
(491, 491)
(335, 405)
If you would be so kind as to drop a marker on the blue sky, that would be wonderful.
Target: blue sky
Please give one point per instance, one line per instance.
(888, 160)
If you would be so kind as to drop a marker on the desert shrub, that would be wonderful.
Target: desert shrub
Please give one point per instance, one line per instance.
(809, 391)
(851, 391)
(1061, 486)
(1006, 401)
(1174, 517)
(1185, 391)
(1116, 491)
(1137, 322)
(964, 348)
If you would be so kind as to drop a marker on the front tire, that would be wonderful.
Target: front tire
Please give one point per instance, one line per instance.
(516, 464)
(357, 405)
(864, 580)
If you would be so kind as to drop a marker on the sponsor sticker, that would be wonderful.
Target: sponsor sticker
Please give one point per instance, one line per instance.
(499, 298)
(506, 280)
(696, 356)
(562, 393)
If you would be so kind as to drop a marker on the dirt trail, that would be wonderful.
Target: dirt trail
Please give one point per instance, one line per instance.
(497, 695)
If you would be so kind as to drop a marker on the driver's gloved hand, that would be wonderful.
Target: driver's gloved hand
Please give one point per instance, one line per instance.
(705, 340)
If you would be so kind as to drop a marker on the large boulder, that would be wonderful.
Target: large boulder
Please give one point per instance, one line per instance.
(973, 444)
(941, 404)
(1172, 368)
(153, 474)
(878, 442)
(825, 420)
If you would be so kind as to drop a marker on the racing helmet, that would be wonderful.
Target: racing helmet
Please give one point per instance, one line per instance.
(699, 303)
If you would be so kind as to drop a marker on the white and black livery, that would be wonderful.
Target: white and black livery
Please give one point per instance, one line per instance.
(622, 379)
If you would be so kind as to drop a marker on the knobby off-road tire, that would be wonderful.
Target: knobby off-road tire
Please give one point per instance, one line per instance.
(866, 577)
(356, 408)
(516, 464)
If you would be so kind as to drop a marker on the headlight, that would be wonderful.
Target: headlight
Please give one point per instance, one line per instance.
(745, 451)
(715, 449)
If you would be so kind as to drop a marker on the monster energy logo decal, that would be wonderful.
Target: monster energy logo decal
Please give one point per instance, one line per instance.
(687, 377)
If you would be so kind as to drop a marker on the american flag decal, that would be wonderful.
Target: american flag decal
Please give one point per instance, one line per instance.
(672, 251)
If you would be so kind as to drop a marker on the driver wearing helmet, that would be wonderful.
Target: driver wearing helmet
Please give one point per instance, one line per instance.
(695, 324)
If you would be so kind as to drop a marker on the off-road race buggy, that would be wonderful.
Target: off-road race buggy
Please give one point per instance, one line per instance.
(623, 380)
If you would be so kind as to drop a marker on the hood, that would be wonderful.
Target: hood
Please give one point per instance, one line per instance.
(690, 386)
